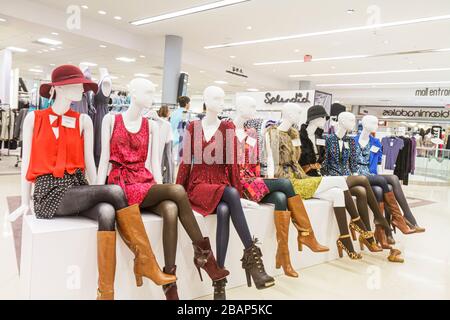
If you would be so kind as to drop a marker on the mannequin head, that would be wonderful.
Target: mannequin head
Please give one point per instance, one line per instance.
(292, 112)
(347, 121)
(317, 123)
(107, 82)
(70, 92)
(246, 107)
(214, 98)
(142, 92)
(370, 123)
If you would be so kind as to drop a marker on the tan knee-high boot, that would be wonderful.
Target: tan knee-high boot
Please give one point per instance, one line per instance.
(397, 219)
(132, 230)
(301, 221)
(106, 259)
(282, 222)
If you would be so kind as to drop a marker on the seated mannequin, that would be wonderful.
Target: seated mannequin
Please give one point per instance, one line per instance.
(130, 144)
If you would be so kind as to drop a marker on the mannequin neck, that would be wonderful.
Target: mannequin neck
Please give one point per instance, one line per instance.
(365, 135)
(134, 112)
(61, 105)
(285, 125)
(311, 129)
(341, 131)
(211, 118)
(239, 123)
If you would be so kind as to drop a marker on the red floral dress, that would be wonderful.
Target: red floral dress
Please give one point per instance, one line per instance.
(128, 155)
(205, 171)
(255, 189)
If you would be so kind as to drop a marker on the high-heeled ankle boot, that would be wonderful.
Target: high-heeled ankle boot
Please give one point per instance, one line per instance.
(132, 230)
(301, 221)
(397, 220)
(344, 243)
(366, 237)
(171, 289)
(254, 268)
(106, 259)
(282, 222)
(204, 258)
(380, 234)
(219, 289)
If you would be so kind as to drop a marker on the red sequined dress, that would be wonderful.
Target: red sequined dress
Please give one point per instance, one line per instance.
(205, 171)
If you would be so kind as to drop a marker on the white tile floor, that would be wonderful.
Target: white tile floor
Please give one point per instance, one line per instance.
(425, 275)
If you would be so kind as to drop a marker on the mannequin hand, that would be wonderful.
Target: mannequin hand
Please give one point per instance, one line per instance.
(249, 204)
(21, 211)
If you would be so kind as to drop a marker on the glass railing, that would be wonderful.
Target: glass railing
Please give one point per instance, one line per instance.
(433, 165)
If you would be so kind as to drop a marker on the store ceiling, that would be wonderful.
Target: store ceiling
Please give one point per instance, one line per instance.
(268, 18)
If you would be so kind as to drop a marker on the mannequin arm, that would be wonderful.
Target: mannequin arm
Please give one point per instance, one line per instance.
(106, 150)
(270, 162)
(88, 130)
(152, 163)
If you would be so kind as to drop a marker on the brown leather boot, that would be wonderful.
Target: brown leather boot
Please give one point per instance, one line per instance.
(171, 289)
(106, 259)
(282, 222)
(204, 258)
(397, 220)
(380, 233)
(301, 221)
(132, 230)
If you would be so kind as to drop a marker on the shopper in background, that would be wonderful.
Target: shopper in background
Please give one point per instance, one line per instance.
(164, 113)
(176, 122)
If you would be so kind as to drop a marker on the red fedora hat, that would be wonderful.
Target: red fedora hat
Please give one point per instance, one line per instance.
(65, 75)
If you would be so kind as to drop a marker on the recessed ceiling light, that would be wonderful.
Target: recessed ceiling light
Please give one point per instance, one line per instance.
(334, 31)
(85, 6)
(220, 82)
(142, 56)
(252, 90)
(16, 49)
(101, 12)
(125, 59)
(249, 28)
(142, 75)
(118, 18)
(351, 11)
(2, 20)
(103, 46)
(36, 70)
(232, 57)
(381, 84)
(52, 49)
(333, 67)
(52, 64)
(55, 33)
(44, 50)
(48, 41)
(89, 64)
(386, 41)
(171, 15)
(297, 50)
(60, 48)
(201, 71)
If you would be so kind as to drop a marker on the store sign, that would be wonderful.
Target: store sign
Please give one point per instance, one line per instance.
(237, 72)
(406, 112)
(275, 99)
(299, 97)
(433, 92)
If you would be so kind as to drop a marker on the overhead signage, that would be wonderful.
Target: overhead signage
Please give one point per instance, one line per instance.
(275, 99)
(237, 72)
(433, 92)
(406, 112)
(299, 97)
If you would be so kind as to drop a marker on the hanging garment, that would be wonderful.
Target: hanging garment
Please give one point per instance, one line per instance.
(374, 152)
(391, 149)
(56, 164)
(254, 187)
(167, 164)
(205, 182)
(18, 126)
(403, 164)
(257, 125)
(86, 105)
(339, 162)
(129, 153)
(165, 150)
(7, 127)
(286, 153)
(311, 159)
(413, 155)
(101, 110)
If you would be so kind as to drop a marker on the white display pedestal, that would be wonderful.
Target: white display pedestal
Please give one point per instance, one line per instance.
(59, 257)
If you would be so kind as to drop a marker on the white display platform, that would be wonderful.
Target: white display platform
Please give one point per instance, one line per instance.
(59, 257)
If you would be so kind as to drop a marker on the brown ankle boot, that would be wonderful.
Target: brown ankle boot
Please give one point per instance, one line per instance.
(282, 222)
(106, 259)
(132, 230)
(301, 221)
(171, 289)
(397, 220)
(204, 258)
(380, 233)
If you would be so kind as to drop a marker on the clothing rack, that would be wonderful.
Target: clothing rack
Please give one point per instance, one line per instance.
(7, 107)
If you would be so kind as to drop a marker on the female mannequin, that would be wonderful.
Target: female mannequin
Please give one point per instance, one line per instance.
(130, 144)
(283, 149)
(369, 154)
(58, 144)
(279, 192)
(211, 177)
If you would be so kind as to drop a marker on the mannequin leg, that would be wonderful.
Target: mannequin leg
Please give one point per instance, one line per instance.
(278, 199)
(378, 191)
(223, 232)
(281, 185)
(361, 204)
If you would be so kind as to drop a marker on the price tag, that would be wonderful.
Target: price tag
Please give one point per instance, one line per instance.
(374, 149)
(392, 143)
(296, 143)
(68, 122)
(346, 145)
(251, 141)
(320, 142)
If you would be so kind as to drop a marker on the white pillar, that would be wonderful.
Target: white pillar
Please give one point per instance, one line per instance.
(172, 67)
(5, 76)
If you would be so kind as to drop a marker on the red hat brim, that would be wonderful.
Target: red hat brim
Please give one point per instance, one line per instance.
(88, 85)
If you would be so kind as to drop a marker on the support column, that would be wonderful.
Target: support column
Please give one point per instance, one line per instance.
(5, 76)
(172, 68)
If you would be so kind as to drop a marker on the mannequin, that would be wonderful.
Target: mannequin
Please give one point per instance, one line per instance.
(387, 187)
(57, 152)
(135, 166)
(279, 192)
(285, 165)
(213, 186)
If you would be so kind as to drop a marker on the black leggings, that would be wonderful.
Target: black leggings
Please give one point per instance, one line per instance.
(379, 181)
(280, 191)
(230, 207)
(98, 203)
